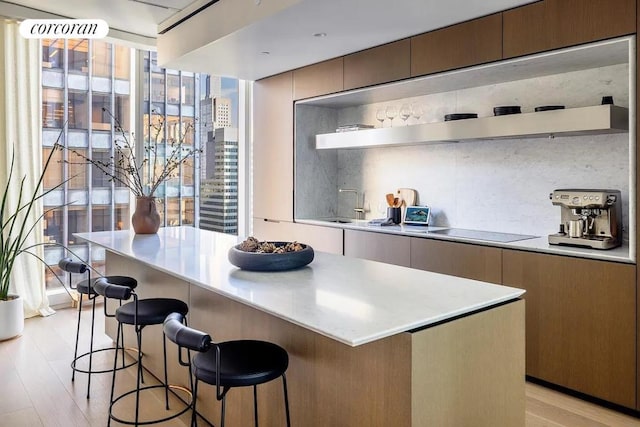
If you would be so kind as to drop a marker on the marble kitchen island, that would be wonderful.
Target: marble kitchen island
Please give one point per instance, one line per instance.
(370, 344)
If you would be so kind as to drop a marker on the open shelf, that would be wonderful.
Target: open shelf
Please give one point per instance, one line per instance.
(599, 119)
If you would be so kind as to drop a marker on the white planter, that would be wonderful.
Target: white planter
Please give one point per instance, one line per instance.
(11, 317)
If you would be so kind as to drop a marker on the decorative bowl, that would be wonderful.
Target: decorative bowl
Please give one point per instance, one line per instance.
(255, 261)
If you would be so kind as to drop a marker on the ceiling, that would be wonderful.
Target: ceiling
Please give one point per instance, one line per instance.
(234, 44)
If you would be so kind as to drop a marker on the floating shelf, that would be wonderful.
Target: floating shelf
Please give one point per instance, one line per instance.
(599, 119)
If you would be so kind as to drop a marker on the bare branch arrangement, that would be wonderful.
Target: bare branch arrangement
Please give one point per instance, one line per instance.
(124, 168)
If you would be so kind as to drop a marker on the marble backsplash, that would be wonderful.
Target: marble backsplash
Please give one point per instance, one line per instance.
(494, 185)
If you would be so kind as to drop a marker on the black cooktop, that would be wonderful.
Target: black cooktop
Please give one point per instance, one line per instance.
(490, 236)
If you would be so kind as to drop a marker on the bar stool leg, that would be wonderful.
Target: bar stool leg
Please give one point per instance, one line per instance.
(194, 397)
(286, 399)
(255, 405)
(166, 377)
(138, 377)
(224, 399)
(113, 377)
(75, 352)
(93, 322)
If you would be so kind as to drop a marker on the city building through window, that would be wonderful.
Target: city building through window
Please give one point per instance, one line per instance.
(83, 78)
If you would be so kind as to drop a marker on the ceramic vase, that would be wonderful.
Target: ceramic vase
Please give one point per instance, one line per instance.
(11, 317)
(145, 219)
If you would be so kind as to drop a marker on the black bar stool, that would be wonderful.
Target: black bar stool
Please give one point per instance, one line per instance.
(140, 313)
(228, 364)
(85, 287)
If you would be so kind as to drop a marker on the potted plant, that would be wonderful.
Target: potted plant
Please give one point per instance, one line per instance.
(15, 230)
(161, 162)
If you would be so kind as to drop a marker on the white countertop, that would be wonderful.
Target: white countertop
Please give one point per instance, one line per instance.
(351, 300)
(538, 244)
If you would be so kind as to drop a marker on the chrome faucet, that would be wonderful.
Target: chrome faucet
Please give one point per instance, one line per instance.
(358, 210)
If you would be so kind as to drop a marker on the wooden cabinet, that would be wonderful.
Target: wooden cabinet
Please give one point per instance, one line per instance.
(551, 24)
(381, 247)
(469, 43)
(273, 147)
(378, 65)
(457, 259)
(318, 79)
(324, 239)
(580, 321)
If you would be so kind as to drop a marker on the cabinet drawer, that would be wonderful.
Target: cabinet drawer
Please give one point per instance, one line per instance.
(469, 43)
(377, 247)
(457, 259)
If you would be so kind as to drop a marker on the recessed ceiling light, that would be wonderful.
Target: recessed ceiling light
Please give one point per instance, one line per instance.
(320, 35)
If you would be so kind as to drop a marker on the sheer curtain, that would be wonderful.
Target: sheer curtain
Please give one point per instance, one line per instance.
(21, 131)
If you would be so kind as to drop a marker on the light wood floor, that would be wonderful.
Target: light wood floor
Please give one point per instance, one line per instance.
(37, 389)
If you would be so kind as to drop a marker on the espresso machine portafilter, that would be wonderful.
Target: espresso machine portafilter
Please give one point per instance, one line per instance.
(588, 218)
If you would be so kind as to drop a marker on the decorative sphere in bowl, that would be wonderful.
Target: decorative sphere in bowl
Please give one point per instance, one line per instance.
(261, 261)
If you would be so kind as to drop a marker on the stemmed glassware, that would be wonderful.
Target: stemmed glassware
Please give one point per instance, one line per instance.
(381, 116)
(391, 112)
(405, 112)
(417, 111)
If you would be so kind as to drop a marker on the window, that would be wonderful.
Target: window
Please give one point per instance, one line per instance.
(53, 54)
(219, 160)
(122, 112)
(100, 119)
(98, 204)
(169, 121)
(52, 108)
(78, 110)
(78, 51)
(101, 59)
(123, 62)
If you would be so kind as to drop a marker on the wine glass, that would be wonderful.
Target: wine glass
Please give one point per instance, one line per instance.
(381, 116)
(405, 112)
(391, 112)
(417, 111)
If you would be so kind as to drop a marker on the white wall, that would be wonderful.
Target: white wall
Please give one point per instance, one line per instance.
(495, 185)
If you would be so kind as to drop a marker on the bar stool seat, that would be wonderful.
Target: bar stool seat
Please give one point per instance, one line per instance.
(151, 311)
(228, 364)
(242, 363)
(140, 313)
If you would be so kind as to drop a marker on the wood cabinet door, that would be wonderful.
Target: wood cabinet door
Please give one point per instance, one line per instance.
(273, 147)
(580, 322)
(381, 247)
(381, 64)
(468, 43)
(318, 79)
(457, 259)
(324, 239)
(551, 24)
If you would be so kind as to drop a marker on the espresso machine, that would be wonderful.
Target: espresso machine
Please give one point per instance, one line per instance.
(588, 218)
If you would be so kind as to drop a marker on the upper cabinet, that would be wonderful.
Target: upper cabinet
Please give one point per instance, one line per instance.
(469, 43)
(552, 24)
(273, 148)
(380, 64)
(318, 79)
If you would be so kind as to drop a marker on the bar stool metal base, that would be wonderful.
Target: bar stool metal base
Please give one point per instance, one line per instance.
(75, 361)
(188, 406)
